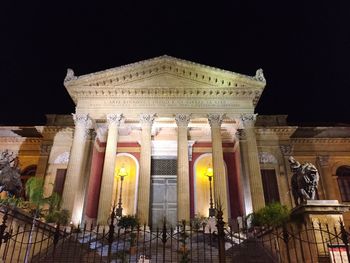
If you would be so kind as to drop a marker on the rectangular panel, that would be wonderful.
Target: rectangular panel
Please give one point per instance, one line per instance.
(163, 166)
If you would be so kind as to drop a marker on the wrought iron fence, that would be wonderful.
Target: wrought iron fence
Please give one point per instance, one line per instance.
(24, 239)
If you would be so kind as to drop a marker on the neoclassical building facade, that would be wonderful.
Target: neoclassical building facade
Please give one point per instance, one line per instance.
(169, 138)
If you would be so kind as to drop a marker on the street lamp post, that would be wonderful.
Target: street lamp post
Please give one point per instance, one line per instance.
(122, 173)
(210, 174)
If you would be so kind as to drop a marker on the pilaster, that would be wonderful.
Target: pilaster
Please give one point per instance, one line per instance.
(286, 151)
(326, 177)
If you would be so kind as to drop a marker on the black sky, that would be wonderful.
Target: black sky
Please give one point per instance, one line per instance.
(303, 48)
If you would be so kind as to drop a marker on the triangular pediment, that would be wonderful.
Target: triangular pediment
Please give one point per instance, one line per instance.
(164, 66)
(163, 77)
(166, 80)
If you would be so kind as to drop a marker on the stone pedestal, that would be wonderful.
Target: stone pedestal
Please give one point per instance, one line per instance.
(323, 217)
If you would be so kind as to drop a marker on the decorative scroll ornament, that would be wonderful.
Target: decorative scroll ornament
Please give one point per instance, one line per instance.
(63, 158)
(323, 160)
(114, 118)
(286, 149)
(265, 157)
(147, 118)
(70, 75)
(182, 120)
(248, 119)
(45, 149)
(259, 75)
(215, 120)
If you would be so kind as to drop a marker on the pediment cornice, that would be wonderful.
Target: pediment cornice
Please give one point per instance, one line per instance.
(150, 78)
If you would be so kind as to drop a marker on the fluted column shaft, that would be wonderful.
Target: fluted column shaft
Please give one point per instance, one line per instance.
(220, 180)
(76, 167)
(326, 176)
(106, 193)
(143, 193)
(256, 186)
(183, 183)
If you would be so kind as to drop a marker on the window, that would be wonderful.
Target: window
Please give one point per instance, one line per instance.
(343, 177)
(59, 181)
(270, 186)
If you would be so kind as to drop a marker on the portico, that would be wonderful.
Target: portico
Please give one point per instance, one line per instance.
(161, 109)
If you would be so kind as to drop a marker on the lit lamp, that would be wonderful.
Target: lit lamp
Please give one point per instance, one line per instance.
(122, 173)
(210, 175)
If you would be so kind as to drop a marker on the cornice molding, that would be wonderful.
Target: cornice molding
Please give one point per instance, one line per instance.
(321, 140)
(157, 65)
(20, 140)
(164, 92)
(283, 132)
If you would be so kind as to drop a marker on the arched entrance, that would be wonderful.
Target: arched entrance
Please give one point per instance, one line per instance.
(128, 164)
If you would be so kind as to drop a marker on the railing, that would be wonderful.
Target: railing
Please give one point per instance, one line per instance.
(24, 240)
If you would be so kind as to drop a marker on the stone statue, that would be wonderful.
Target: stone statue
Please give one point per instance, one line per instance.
(10, 178)
(304, 181)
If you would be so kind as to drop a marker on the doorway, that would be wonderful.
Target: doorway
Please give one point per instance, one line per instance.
(163, 192)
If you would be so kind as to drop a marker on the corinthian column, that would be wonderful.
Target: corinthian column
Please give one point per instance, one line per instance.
(143, 193)
(256, 186)
(183, 188)
(106, 193)
(76, 168)
(220, 180)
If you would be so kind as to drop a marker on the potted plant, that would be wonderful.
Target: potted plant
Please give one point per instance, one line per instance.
(130, 223)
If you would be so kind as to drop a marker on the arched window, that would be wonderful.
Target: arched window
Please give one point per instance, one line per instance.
(343, 176)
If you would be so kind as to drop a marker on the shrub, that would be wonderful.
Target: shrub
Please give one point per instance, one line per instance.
(128, 221)
(272, 215)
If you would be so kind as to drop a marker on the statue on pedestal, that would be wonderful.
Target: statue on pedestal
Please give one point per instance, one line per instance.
(304, 181)
(10, 178)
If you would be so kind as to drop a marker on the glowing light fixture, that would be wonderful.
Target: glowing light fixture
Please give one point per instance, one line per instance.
(209, 173)
(121, 173)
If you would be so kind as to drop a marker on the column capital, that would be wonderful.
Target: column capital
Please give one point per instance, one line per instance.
(147, 118)
(114, 118)
(241, 134)
(286, 149)
(82, 119)
(215, 120)
(248, 119)
(323, 160)
(182, 120)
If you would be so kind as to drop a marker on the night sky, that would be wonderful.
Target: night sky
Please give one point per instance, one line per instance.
(303, 48)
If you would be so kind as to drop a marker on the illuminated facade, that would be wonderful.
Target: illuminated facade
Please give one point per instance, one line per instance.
(160, 124)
